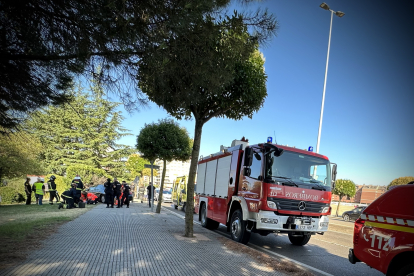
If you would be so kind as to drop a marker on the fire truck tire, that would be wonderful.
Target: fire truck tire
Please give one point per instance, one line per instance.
(102, 198)
(299, 240)
(238, 228)
(203, 216)
(205, 221)
(407, 270)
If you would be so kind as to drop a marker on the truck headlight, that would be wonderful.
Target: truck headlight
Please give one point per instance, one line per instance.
(325, 210)
(271, 205)
(324, 224)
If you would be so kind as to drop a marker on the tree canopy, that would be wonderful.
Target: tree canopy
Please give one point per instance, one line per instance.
(135, 165)
(46, 43)
(83, 132)
(19, 155)
(344, 187)
(213, 70)
(400, 181)
(166, 141)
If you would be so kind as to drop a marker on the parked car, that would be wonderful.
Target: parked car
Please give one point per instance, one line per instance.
(98, 190)
(353, 214)
(384, 234)
(166, 196)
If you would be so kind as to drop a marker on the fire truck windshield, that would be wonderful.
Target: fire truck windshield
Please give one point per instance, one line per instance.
(301, 170)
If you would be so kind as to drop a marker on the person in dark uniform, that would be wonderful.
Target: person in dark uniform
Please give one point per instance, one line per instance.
(28, 190)
(109, 193)
(69, 197)
(118, 191)
(79, 185)
(125, 194)
(150, 192)
(52, 189)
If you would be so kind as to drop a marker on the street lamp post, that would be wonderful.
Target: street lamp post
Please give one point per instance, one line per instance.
(339, 14)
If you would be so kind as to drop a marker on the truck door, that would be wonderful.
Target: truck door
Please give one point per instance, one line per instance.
(250, 181)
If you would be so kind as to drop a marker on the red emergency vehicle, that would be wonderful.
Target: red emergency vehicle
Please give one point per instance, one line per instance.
(265, 188)
(384, 233)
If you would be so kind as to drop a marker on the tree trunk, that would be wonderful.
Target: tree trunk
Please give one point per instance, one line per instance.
(339, 202)
(161, 188)
(191, 178)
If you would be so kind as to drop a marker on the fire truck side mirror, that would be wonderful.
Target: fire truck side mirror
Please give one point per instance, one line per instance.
(278, 152)
(334, 171)
(248, 157)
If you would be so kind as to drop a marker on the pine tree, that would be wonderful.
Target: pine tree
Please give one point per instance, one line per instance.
(83, 132)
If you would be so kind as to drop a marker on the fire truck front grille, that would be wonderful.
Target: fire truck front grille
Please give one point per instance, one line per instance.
(297, 205)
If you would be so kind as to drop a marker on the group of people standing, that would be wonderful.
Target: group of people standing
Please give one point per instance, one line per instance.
(76, 194)
(116, 190)
(38, 188)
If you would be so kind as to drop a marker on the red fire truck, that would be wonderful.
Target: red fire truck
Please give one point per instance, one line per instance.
(384, 233)
(265, 188)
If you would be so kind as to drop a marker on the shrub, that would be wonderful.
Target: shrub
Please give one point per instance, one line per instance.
(10, 195)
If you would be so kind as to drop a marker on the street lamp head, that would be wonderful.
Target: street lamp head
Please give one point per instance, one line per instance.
(324, 6)
(339, 13)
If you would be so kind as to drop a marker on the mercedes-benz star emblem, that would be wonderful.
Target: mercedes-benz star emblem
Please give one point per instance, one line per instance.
(302, 205)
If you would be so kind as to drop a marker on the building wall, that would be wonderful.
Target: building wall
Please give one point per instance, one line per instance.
(364, 194)
(174, 170)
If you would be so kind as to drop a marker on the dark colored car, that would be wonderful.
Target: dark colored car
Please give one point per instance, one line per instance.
(99, 191)
(353, 214)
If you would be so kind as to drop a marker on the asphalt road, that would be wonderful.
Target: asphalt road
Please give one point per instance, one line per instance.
(324, 254)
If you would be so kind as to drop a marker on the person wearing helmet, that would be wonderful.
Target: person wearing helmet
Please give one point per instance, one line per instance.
(109, 193)
(39, 190)
(79, 185)
(77, 193)
(52, 189)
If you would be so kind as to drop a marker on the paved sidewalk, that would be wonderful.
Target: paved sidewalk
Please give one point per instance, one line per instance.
(134, 241)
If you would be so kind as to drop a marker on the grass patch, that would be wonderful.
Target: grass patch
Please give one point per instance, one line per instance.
(23, 227)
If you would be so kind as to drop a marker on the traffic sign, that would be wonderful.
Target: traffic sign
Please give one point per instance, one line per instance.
(153, 166)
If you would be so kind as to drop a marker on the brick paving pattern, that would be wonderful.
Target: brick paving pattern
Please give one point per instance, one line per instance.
(134, 241)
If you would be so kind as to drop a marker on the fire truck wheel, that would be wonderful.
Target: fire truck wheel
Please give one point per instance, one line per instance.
(346, 218)
(407, 270)
(102, 198)
(203, 214)
(205, 221)
(238, 228)
(298, 240)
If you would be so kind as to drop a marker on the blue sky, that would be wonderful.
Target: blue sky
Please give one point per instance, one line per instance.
(368, 117)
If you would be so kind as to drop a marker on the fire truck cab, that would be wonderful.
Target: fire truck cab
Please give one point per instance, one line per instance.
(265, 188)
(384, 233)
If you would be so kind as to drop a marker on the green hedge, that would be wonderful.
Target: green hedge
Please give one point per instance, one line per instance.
(10, 195)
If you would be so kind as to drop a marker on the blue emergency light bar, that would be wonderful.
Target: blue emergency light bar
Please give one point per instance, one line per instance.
(269, 139)
(310, 149)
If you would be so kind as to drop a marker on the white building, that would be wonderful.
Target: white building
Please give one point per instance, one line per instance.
(174, 170)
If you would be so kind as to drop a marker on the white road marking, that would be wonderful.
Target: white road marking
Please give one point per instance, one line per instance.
(292, 260)
(340, 232)
(330, 242)
(349, 226)
(264, 249)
